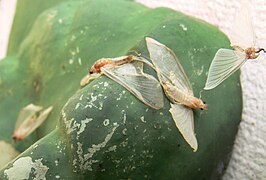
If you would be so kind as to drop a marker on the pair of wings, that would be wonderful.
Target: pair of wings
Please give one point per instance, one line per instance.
(169, 70)
(144, 86)
(28, 120)
(227, 61)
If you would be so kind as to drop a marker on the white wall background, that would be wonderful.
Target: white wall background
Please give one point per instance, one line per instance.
(7, 10)
(249, 154)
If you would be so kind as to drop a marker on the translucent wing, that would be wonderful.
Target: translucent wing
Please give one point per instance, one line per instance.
(26, 113)
(144, 86)
(28, 121)
(184, 121)
(167, 66)
(141, 59)
(242, 33)
(224, 63)
(40, 119)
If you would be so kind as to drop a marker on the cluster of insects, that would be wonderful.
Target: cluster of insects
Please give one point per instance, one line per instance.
(172, 80)
(128, 71)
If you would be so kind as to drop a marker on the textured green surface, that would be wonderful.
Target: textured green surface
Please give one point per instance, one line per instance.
(104, 132)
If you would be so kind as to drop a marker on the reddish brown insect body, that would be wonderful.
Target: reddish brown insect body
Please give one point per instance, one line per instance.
(251, 53)
(96, 68)
(16, 137)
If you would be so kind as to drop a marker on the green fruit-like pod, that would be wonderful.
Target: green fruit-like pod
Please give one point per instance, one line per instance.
(104, 132)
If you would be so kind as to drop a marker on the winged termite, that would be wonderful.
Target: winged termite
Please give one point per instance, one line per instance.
(29, 119)
(95, 70)
(227, 61)
(177, 88)
(128, 72)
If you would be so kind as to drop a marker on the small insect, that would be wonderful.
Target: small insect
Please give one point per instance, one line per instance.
(128, 72)
(177, 88)
(29, 119)
(227, 61)
(105, 62)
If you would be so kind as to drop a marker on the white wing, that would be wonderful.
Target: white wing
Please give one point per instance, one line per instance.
(168, 66)
(224, 63)
(184, 121)
(242, 33)
(28, 120)
(144, 86)
(26, 113)
(32, 126)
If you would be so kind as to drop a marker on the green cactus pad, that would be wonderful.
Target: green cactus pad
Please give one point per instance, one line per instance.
(103, 131)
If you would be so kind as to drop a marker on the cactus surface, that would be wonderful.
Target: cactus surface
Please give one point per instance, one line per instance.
(103, 131)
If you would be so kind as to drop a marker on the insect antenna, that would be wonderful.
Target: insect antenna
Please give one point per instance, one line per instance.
(261, 49)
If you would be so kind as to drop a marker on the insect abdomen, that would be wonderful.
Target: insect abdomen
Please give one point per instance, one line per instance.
(176, 95)
(96, 68)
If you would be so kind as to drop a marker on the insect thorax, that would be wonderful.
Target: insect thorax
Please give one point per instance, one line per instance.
(251, 53)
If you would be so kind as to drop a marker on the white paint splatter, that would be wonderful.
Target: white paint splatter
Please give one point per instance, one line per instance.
(106, 122)
(77, 105)
(83, 125)
(22, 168)
(56, 162)
(92, 100)
(101, 106)
(70, 61)
(124, 131)
(85, 161)
(112, 148)
(120, 96)
(124, 143)
(105, 84)
(71, 125)
(96, 86)
(79, 61)
(183, 27)
(142, 119)
(81, 97)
